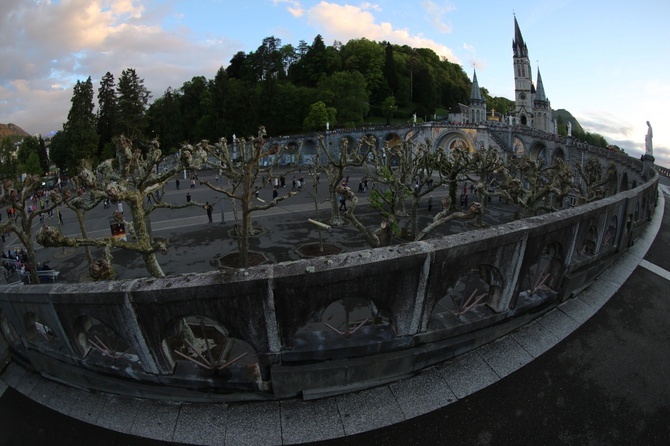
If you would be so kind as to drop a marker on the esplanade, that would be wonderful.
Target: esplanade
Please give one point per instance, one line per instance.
(334, 324)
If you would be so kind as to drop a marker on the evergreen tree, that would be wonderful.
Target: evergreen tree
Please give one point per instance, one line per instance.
(132, 99)
(43, 156)
(59, 150)
(80, 127)
(107, 125)
(8, 164)
(28, 146)
(165, 121)
(390, 74)
(32, 165)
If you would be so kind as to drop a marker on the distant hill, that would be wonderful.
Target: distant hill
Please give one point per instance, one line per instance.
(567, 116)
(12, 130)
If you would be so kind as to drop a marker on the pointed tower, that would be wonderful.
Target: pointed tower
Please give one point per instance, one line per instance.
(542, 107)
(522, 79)
(477, 109)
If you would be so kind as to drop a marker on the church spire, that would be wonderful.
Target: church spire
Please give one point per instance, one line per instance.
(539, 91)
(518, 45)
(476, 93)
(477, 102)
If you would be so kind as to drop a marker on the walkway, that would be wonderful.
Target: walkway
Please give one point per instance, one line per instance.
(593, 371)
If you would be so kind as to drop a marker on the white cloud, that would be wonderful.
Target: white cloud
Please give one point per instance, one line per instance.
(436, 13)
(293, 7)
(345, 22)
(46, 47)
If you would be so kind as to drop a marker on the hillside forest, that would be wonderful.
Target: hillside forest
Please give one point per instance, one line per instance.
(284, 88)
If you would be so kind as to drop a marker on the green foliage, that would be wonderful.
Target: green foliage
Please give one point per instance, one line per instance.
(388, 108)
(319, 115)
(132, 102)
(8, 164)
(346, 92)
(28, 146)
(59, 150)
(32, 165)
(107, 119)
(80, 129)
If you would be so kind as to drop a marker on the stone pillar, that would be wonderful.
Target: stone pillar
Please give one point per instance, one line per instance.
(647, 166)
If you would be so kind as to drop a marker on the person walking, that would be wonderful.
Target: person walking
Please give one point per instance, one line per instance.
(208, 208)
(188, 197)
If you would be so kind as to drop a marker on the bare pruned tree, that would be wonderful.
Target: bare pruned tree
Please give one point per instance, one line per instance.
(249, 165)
(135, 175)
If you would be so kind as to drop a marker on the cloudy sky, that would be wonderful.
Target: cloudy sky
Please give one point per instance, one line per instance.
(606, 63)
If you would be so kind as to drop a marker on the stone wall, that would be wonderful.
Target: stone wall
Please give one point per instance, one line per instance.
(318, 326)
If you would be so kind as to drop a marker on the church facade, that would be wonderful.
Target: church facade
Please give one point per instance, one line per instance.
(532, 107)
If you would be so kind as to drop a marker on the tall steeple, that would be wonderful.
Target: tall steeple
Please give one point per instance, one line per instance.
(542, 107)
(477, 102)
(539, 91)
(518, 45)
(523, 84)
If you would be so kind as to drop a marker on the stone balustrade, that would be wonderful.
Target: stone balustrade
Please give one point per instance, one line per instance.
(320, 326)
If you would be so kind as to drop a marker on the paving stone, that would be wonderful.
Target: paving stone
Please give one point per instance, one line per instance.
(43, 391)
(253, 424)
(423, 393)
(577, 309)
(155, 419)
(307, 421)
(467, 374)
(202, 424)
(28, 383)
(63, 398)
(13, 374)
(505, 355)
(535, 338)
(118, 413)
(368, 410)
(89, 406)
(558, 323)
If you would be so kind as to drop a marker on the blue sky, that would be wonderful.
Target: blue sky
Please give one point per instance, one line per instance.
(604, 62)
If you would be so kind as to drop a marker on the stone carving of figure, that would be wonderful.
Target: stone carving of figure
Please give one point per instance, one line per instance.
(648, 144)
(569, 128)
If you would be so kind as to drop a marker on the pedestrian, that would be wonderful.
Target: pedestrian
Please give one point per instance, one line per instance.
(275, 194)
(430, 203)
(177, 183)
(208, 208)
(188, 197)
(60, 217)
(119, 208)
(343, 204)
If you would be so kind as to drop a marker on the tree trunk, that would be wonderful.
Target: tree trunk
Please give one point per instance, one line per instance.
(152, 265)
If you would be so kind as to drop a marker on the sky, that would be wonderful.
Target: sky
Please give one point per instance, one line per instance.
(605, 62)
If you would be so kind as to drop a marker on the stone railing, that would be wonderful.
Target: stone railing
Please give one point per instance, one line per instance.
(318, 326)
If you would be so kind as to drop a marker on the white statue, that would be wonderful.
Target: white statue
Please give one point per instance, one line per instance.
(327, 125)
(569, 128)
(414, 118)
(648, 145)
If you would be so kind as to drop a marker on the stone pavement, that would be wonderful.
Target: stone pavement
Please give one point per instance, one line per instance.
(593, 371)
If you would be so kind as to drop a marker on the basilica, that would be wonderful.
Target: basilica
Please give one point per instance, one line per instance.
(532, 107)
